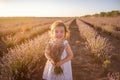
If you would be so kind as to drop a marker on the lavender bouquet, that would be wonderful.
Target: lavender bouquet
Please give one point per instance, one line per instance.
(55, 52)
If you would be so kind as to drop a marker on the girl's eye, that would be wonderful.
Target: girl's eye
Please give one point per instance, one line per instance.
(56, 31)
(62, 31)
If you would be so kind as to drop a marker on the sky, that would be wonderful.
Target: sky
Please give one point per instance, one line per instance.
(56, 8)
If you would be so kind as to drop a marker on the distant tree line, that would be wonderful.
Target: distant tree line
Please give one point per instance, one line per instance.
(113, 13)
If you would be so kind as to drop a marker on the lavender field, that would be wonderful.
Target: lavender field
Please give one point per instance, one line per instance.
(95, 42)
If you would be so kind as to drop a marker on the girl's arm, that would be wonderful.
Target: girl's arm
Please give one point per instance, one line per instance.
(69, 55)
(49, 58)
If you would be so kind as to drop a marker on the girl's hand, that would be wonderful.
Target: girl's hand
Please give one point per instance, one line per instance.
(53, 63)
(59, 63)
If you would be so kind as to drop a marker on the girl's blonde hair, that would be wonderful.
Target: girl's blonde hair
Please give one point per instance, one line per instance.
(59, 24)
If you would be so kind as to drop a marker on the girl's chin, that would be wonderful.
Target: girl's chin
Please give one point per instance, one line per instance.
(59, 39)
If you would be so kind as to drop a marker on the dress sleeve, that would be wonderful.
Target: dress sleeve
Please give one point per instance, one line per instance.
(65, 42)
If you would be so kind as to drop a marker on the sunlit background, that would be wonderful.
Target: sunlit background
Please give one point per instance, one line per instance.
(56, 8)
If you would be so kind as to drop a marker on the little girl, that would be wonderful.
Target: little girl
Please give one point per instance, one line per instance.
(59, 34)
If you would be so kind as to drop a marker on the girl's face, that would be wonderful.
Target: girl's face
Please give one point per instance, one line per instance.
(59, 33)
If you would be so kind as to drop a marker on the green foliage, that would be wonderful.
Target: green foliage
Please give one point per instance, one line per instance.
(113, 13)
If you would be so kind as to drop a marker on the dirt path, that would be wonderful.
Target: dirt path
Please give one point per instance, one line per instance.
(84, 66)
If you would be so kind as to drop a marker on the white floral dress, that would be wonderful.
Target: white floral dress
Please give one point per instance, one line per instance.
(48, 73)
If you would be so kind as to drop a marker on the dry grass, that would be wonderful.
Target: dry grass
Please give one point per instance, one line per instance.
(22, 62)
(22, 29)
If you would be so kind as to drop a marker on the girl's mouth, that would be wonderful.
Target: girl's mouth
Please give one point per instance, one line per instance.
(59, 37)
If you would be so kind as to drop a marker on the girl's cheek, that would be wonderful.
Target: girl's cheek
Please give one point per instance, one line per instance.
(64, 34)
(55, 35)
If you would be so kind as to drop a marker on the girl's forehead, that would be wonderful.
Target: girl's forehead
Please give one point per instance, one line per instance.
(59, 28)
